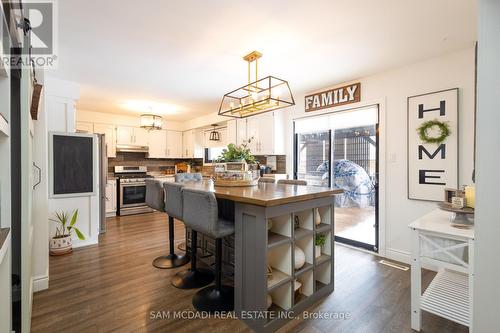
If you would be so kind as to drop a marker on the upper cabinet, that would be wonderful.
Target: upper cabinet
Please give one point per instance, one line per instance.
(192, 144)
(158, 144)
(265, 130)
(232, 132)
(174, 144)
(109, 132)
(241, 130)
(140, 136)
(126, 135)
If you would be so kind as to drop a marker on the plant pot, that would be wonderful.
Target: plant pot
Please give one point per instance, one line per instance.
(60, 246)
(318, 251)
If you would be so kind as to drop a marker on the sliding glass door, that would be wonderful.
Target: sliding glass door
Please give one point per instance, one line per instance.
(350, 140)
(313, 151)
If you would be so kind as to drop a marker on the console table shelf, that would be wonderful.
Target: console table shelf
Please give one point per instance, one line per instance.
(448, 296)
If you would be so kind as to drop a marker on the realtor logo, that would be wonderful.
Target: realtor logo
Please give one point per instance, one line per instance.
(41, 18)
(36, 23)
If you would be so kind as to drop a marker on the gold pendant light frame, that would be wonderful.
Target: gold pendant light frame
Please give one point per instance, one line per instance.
(264, 95)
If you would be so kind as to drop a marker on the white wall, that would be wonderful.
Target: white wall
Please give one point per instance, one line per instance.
(57, 113)
(390, 89)
(487, 229)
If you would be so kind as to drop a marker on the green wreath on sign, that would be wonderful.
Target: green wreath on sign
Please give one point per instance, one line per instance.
(444, 131)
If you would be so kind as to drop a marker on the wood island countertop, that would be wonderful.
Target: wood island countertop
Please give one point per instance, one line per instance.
(266, 194)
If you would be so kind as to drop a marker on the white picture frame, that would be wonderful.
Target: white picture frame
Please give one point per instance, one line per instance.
(432, 167)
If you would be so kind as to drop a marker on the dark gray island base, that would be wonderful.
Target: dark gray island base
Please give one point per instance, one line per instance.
(296, 215)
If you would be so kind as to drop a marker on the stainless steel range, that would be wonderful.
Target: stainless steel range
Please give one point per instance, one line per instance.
(132, 190)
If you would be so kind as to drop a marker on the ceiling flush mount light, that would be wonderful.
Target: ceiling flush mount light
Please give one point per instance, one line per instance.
(264, 95)
(151, 122)
(214, 135)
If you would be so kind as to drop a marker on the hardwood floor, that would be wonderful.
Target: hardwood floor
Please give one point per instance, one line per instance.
(113, 287)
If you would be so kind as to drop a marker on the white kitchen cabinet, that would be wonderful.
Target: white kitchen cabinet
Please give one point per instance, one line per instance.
(192, 144)
(84, 127)
(188, 144)
(126, 135)
(241, 131)
(232, 131)
(110, 132)
(253, 133)
(111, 197)
(140, 136)
(267, 131)
(265, 139)
(174, 144)
(158, 144)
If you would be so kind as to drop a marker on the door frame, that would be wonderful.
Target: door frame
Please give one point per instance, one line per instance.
(382, 154)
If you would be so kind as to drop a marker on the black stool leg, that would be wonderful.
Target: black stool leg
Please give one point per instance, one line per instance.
(172, 260)
(216, 298)
(194, 277)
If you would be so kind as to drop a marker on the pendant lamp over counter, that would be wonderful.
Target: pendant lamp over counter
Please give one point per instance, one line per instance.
(214, 135)
(260, 96)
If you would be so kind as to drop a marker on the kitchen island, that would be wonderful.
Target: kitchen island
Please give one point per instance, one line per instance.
(265, 259)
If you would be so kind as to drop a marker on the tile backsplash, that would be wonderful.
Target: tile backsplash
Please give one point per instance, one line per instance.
(153, 164)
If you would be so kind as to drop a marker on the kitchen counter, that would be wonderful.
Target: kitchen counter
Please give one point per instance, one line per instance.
(271, 222)
(266, 194)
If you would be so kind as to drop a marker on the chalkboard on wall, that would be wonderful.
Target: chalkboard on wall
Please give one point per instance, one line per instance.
(72, 164)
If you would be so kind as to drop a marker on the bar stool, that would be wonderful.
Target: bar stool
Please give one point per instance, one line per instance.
(182, 178)
(292, 182)
(201, 214)
(266, 180)
(155, 198)
(194, 277)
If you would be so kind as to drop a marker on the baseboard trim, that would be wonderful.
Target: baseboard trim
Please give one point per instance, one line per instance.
(40, 283)
(87, 242)
(405, 257)
(398, 255)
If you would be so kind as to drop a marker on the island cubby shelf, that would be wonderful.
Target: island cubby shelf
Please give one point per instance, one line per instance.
(298, 272)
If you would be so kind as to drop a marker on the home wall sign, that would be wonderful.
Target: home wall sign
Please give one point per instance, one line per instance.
(334, 97)
(432, 151)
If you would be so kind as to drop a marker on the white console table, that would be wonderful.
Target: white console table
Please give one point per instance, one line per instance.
(435, 242)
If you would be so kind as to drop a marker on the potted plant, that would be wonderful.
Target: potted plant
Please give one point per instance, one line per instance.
(236, 166)
(234, 153)
(319, 242)
(61, 243)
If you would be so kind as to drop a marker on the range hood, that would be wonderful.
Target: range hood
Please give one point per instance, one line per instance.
(131, 149)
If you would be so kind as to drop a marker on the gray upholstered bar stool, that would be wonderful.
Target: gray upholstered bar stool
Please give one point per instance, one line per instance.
(267, 180)
(194, 277)
(188, 177)
(182, 178)
(292, 182)
(155, 198)
(201, 214)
